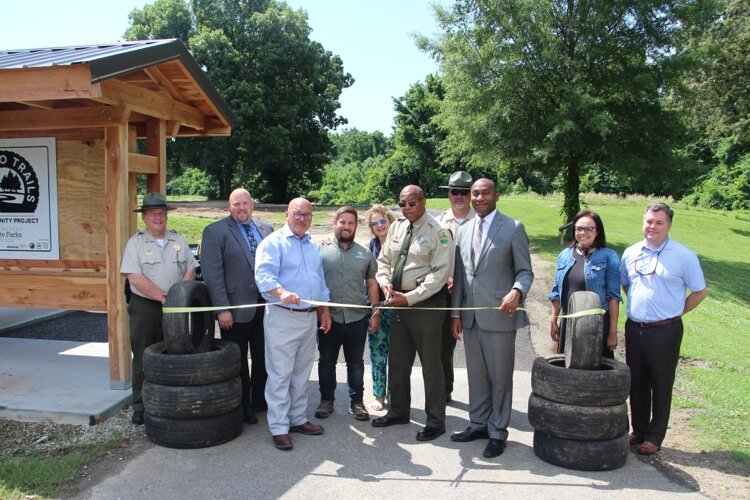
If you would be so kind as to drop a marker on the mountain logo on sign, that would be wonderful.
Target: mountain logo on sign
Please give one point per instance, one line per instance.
(19, 187)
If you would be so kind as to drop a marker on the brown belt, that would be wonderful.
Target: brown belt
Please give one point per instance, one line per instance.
(305, 310)
(664, 322)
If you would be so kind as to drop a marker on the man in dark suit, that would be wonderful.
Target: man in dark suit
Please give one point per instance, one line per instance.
(228, 265)
(493, 267)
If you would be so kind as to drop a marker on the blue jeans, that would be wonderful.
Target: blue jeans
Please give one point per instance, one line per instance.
(352, 336)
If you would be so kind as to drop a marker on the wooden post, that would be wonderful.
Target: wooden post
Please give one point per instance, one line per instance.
(117, 224)
(156, 145)
(132, 183)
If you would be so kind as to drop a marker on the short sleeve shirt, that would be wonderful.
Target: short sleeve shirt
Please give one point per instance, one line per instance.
(163, 266)
(346, 270)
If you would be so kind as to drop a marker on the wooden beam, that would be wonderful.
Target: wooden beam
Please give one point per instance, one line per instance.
(39, 104)
(163, 82)
(80, 293)
(172, 128)
(83, 134)
(54, 82)
(142, 164)
(150, 103)
(46, 119)
(156, 145)
(117, 222)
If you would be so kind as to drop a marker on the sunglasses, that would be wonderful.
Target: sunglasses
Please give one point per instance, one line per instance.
(459, 192)
(584, 229)
(402, 204)
(381, 222)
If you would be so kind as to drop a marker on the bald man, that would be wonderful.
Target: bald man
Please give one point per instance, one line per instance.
(288, 270)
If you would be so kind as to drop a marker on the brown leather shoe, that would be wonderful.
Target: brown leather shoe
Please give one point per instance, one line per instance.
(307, 428)
(282, 442)
(634, 439)
(648, 448)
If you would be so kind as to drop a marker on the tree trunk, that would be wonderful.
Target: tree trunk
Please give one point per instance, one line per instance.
(571, 202)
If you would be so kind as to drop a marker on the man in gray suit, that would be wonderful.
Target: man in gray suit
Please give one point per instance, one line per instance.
(228, 265)
(493, 267)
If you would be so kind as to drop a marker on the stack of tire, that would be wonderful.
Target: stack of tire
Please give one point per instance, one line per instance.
(577, 405)
(192, 392)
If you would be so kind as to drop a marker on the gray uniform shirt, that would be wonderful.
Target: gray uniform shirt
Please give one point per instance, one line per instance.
(163, 266)
(346, 270)
(449, 221)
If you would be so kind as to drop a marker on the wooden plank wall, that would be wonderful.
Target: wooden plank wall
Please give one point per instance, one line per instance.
(78, 280)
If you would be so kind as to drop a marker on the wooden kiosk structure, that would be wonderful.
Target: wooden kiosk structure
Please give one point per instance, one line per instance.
(98, 102)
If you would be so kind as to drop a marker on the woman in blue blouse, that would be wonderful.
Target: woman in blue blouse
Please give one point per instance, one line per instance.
(379, 219)
(587, 265)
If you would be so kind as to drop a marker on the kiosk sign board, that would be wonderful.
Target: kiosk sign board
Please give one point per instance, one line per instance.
(28, 199)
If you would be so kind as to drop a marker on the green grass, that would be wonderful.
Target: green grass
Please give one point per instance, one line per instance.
(29, 475)
(715, 378)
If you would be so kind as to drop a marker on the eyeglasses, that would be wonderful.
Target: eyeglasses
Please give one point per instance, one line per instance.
(381, 222)
(646, 263)
(584, 229)
(301, 215)
(402, 204)
(459, 192)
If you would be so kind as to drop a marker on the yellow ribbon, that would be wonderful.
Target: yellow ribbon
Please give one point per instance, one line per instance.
(176, 310)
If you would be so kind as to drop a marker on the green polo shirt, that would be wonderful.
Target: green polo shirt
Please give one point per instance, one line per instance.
(346, 270)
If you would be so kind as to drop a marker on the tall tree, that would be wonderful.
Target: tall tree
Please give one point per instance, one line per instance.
(556, 85)
(283, 87)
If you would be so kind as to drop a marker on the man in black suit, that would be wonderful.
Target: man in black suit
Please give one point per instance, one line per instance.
(228, 265)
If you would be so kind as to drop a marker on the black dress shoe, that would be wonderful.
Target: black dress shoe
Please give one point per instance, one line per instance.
(250, 417)
(494, 448)
(429, 433)
(469, 435)
(387, 420)
(137, 417)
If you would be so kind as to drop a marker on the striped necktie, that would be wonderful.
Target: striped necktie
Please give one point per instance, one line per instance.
(250, 238)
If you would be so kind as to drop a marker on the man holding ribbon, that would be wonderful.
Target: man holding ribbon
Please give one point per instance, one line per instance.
(289, 272)
(228, 265)
(493, 271)
(413, 268)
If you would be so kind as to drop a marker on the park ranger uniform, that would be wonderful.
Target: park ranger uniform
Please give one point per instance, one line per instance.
(449, 221)
(425, 274)
(164, 266)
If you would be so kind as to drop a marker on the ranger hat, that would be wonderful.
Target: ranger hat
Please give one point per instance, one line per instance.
(459, 180)
(154, 200)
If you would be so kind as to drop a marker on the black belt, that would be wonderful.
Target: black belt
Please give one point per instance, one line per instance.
(306, 310)
(664, 322)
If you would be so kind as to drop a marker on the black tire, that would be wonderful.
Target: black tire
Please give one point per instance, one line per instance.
(192, 402)
(606, 385)
(188, 333)
(582, 455)
(583, 423)
(221, 363)
(583, 335)
(183, 434)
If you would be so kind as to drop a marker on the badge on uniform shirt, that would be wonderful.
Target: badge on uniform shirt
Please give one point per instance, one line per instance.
(176, 247)
(443, 237)
(149, 253)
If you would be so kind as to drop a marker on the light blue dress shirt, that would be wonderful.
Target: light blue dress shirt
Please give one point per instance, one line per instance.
(658, 292)
(284, 260)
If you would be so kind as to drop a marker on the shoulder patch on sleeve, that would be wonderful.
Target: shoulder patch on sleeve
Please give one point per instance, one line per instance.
(444, 237)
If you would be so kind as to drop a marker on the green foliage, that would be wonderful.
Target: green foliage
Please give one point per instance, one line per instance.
(193, 182)
(282, 86)
(727, 187)
(556, 86)
(161, 19)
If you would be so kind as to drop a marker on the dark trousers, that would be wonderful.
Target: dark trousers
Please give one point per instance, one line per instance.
(417, 332)
(352, 336)
(145, 330)
(448, 346)
(652, 355)
(253, 382)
